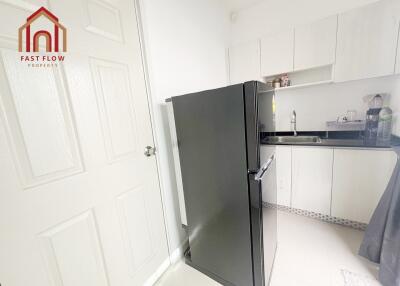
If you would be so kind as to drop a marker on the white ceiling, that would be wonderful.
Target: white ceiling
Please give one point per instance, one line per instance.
(236, 5)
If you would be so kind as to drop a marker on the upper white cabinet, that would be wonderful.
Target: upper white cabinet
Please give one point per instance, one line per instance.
(312, 179)
(358, 44)
(244, 62)
(359, 180)
(284, 175)
(277, 53)
(367, 41)
(315, 44)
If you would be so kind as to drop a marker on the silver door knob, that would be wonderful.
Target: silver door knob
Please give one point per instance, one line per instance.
(149, 151)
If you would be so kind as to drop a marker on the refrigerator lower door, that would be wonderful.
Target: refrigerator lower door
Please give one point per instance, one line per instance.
(256, 211)
(211, 133)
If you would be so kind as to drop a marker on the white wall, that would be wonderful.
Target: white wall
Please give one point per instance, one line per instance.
(318, 104)
(185, 43)
(271, 16)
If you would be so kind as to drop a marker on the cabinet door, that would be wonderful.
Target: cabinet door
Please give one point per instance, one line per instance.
(244, 62)
(277, 53)
(359, 179)
(284, 175)
(367, 40)
(315, 44)
(312, 179)
(269, 189)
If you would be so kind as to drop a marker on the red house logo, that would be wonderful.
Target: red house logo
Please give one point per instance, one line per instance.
(51, 36)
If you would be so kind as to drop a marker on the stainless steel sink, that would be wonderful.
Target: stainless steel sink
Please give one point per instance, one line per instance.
(294, 139)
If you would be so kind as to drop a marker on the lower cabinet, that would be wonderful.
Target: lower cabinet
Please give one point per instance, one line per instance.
(269, 193)
(284, 175)
(280, 194)
(312, 179)
(341, 182)
(359, 179)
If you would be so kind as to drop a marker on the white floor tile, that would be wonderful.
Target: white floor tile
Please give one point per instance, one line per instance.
(310, 253)
(184, 275)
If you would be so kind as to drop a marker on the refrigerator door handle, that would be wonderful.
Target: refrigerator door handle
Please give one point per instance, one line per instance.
(260, 174)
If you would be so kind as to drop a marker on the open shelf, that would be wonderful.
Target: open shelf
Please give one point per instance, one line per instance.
(306, 78)
(305, 85)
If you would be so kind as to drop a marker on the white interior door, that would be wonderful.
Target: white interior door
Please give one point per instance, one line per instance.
(79, 202)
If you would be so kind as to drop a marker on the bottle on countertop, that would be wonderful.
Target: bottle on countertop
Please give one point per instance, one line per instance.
(372, 119)
(385, 125)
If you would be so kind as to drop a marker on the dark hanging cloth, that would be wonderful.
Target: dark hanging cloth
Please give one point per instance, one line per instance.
(381, 242)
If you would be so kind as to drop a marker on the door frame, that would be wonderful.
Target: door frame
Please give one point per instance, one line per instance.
(152, 111)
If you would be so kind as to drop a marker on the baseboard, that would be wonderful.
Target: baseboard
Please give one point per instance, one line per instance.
(178, 254)
(159, 272)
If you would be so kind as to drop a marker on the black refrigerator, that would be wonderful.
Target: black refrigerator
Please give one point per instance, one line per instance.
(218, 138)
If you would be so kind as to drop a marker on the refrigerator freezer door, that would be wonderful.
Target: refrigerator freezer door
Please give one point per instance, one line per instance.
(211, 132)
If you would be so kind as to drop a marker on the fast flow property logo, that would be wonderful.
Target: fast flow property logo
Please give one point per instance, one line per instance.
(42, 39)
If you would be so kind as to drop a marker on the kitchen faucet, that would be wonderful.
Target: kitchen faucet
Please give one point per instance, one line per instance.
(293, 122)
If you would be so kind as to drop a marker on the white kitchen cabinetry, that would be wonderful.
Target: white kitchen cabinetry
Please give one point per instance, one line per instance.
(244, 62)
(315, 44)
(277, 184)
(284, 175)
(366, 42)
(269, 193)
(359, 180)
(277, 53)
(312, 178)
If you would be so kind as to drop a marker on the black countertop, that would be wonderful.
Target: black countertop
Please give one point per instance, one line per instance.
(353, 139)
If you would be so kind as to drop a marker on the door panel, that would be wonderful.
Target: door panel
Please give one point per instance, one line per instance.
(103, 19)
(367, 42)
(315, 44)
(135, 214)
(356, 194)
(117, 114)
(74, 136)
(277, 53)
(62, 244)
(284, 175)
(312, 179)
(40, 127)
